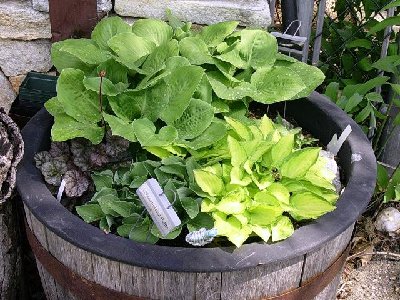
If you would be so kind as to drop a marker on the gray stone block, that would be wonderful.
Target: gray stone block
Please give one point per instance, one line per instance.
(7, 95)
(20, 57)
(18, 20)
(250, 12)
(43, 5)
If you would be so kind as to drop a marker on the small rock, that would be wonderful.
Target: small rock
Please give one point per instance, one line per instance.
(248, 12)
(18, 20)
(388, 220)
(16, 82)
(20, 57)
(7, 95)
(43, 5)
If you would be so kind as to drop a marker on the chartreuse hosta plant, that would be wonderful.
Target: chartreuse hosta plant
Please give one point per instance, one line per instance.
(264, 181)
(176, 101)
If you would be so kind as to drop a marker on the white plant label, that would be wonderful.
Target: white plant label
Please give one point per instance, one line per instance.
(160, 209)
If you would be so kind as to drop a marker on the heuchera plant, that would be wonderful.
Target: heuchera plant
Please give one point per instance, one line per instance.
(183, 96)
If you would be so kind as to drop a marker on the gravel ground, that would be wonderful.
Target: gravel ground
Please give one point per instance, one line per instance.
(378, 280)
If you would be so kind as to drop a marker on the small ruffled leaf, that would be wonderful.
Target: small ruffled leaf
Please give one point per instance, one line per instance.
(76, 183)
(53, 171)
(41, 158)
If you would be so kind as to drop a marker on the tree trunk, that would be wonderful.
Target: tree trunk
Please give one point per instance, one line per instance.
(11, 151)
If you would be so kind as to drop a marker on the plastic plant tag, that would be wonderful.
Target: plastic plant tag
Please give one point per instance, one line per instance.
(336, 143)
(160, 209)
(61, 190)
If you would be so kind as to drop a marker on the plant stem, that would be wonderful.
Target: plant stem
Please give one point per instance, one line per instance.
(380, 130)
(385, 142)
(102, 74)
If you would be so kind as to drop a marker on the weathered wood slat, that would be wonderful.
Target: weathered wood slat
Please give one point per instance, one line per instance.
(208, 286)
(179, 285)
(262, 281)
(317, 261)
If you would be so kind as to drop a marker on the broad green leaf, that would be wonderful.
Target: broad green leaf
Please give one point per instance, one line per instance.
(105, 191)
(364, 113)
(195, 50)
(157, 59)
(156, 101)
(202, 220)
(255, 155)
(114, 71)
(239, 177)
(278, 84)
(299, 162)
(313, 79)
(353, 102)
(232, 228)
(107, 87)
(204, 91)
(259, 48)
(54, 107)
(128, 105)
(156, 31)
(299, 186)
(63, 60)
(184, 81)
(207, 205)
(130, 48)
(242, 131)
(266, 126)
(280, 192)
(282, 229)
(122, 208)
(238, 153)
(227, 70)
(170, 236)
(224, 89)
(233, 57)
(191, 206)
(214, 133)
(233, 202)
(141, 233)
(208, 182)
(364, 88)
(262, 232)
(390, 21)
(281, 150)
(396, 88)
(120, 127)
(90, 212)
(145, 132)
(308, 206)
(103, 179)
(85, 50)
(79, 103)
(388, 64)
(66, 128)
(214, 34)
(382, 176)
(196, 118)
(107, 28)
(264, 215)
(175, 62)
(374, 97)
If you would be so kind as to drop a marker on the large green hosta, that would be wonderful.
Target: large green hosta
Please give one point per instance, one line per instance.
(169, 82)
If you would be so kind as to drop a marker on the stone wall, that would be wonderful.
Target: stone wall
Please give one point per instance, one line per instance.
(25, 29)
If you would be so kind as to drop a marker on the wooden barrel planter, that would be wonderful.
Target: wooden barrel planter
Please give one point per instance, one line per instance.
(78, 261)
